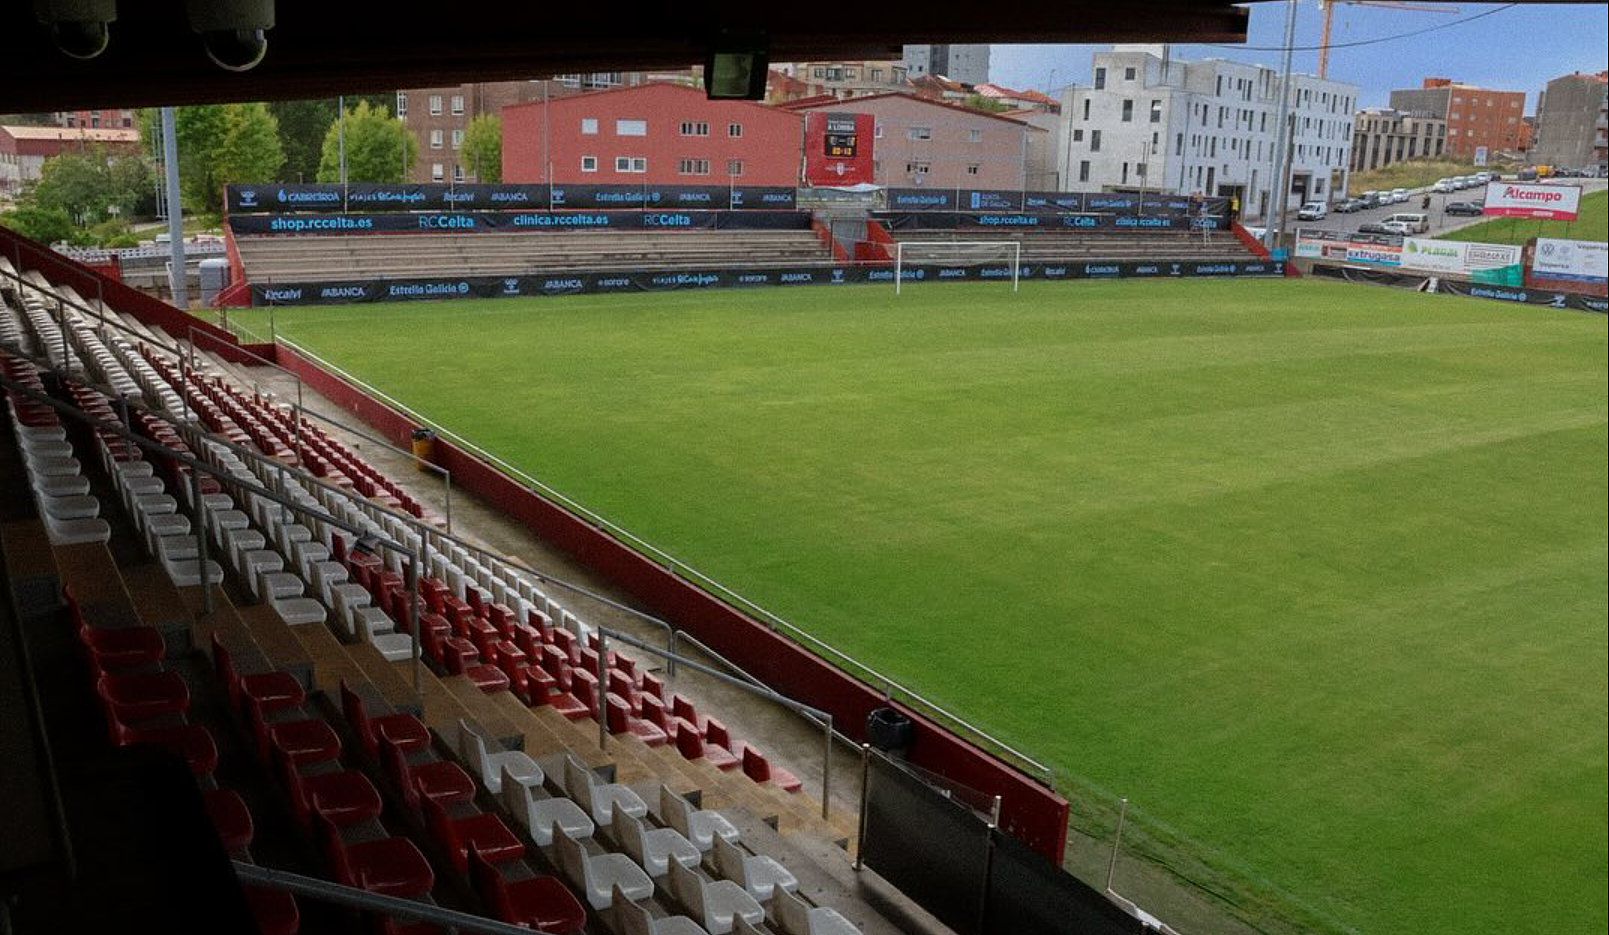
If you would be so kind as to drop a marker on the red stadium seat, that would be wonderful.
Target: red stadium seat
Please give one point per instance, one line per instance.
(230, 818)
(404, 731)
(274, 911)
(482, 833)
(392, 866)
(139, 697)
(543, 903)
(437, 780)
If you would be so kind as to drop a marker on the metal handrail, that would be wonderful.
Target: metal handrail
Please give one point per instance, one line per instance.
(314, 888)
(891, 688)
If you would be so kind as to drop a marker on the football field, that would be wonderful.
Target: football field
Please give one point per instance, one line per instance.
(1313, 573)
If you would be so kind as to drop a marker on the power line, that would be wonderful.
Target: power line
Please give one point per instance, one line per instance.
(1358, 42)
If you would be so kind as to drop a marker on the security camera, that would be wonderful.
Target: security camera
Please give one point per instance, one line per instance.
(232, 31)
(79, 27)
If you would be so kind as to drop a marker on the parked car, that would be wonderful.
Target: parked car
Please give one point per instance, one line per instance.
(1399, 195)
(1369, 199)
(1376, 228)
(1443, 185)
(1349, 206)
(1466, 209)
(1400, 228)
(1412, 223)
(1312, 211)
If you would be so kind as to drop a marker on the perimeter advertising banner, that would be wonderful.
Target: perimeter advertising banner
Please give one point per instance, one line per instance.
(838, 149)
(407, 196)
(1522, 200)
(464, 287)
(1375, 250)
(964, 220)
(980, 199)
(477, 222)
(1498, 264)
(1584, 261)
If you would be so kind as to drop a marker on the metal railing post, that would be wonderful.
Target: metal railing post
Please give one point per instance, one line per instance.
(1117, 840)
(201, 540)
(413, 623)
(603, 689)
(865, 777)
(826, 769)
(447, 492)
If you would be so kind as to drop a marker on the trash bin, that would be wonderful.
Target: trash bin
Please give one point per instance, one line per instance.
(424, 447)
(889, 731)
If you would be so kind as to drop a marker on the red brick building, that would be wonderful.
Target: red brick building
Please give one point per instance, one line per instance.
(654, 134)
(23, 150)
(1476, 117)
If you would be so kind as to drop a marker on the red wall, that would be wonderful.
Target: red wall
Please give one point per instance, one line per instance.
(769, 146)
(1029, 811)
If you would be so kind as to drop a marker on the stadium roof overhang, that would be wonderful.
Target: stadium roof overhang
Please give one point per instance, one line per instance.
(319, 49)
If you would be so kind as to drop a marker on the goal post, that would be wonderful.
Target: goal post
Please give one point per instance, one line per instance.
(967, 252)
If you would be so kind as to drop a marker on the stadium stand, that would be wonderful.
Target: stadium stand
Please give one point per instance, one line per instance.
(1071, 246)
(271, 654)
(280, 258)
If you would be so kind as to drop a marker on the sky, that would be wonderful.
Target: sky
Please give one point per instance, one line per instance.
(1515, 49)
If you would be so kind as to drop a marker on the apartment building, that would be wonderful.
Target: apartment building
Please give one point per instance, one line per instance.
(1149, 121)
(923, 142)
(968, 64)
(1381, 136)
(1478, 119)
(839, 79)
(439, 118)
(650, 134)
(1572, 121)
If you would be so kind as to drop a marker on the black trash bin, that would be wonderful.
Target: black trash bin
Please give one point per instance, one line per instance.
(890, 731)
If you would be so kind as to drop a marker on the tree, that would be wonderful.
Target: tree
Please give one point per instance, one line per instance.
(483, 148)
(376, 147)
(302, 125)
(251, 151)
(91, 186)
(988, 105)
(219, 144)
(46, 225)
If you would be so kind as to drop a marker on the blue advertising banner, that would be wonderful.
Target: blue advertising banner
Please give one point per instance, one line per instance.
(965, 199)
(473, 222)
(956, 220)
(410, 196)
(393, 290)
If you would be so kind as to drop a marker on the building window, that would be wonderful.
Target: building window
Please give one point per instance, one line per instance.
(435, 105)
(877, 74)
(1128, 111)
(402, 105)
(920, 133)
(589, 125)
(734, 167)
(437, 172)
(1078, 136)
(570, 81)
(917, 168)
(458, 105)
(695, 128)
(734, 130)
(974, 136)
(458, 139)
(631, 163)
(631, 128)
(1083, 170)
(1125, 180)
(1156, 111)
(819, 73)
(878, 131)
(973, 168)
(1178, 144)
(850, 72)
(435, 139)
(1094, 141)
(1100, 79)
(458, 172)
(693, 167)
(1128, 74)
(589, 163)
(1086, 108)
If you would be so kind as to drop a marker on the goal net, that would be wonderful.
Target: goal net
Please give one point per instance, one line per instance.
(1000, 259)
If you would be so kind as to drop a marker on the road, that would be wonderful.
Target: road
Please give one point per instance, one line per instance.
(1440, 222)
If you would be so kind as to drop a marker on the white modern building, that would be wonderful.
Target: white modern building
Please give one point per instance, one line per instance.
(1150, 122)
(968, 64)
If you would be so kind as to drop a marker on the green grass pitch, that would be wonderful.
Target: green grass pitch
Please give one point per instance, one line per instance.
(1313, 573)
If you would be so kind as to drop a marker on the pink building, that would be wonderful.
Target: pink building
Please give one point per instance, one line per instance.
(653, 134)
(922, 142)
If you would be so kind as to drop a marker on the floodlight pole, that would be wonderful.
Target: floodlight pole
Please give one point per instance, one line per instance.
(170, 165)
(1270, 224)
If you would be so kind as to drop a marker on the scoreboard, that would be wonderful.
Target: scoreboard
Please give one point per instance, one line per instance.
(838, 148)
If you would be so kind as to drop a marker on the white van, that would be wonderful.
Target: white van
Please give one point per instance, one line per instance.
(1414, 223)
